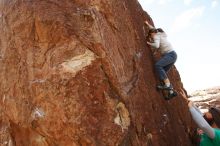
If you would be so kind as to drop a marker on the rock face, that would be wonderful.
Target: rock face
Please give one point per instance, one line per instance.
(79, 73)
(206, 98)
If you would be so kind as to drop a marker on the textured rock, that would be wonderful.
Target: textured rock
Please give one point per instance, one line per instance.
(79, 73)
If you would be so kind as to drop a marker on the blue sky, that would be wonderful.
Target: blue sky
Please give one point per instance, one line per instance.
(193, 28)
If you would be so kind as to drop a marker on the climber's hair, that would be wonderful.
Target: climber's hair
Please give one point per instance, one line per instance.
(154, 30)
(160, 30)
(216, 115)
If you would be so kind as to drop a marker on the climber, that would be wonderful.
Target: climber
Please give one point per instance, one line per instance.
(209, 124)
(159, 42)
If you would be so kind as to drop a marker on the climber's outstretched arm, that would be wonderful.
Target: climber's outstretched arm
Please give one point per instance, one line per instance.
(150, 26)
(200, 121)
(197, 109)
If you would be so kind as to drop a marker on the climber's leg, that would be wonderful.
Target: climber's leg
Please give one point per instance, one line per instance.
(167, 68)
(166, 86)
(164, 65)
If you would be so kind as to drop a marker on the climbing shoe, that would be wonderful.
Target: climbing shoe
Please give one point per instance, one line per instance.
(171, 95)
(164, 87)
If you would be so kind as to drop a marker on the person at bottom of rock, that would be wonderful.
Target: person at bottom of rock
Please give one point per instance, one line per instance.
(158, 41)
(209, 124)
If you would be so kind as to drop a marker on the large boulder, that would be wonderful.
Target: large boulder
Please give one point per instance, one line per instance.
(79, 73)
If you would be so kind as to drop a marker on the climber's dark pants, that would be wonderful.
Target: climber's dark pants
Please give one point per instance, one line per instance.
(165, 63)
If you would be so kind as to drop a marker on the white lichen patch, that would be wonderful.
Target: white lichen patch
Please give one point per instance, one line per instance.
(122, 119)
(77, 63)
(40, 140)
(38, 113)
(37, 81)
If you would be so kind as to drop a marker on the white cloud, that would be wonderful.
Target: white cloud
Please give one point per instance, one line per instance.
(214, 3)
(187, 2)
(186, 19)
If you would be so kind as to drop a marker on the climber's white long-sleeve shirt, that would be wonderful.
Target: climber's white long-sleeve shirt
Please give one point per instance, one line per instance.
(201, 122)
(161, 43)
